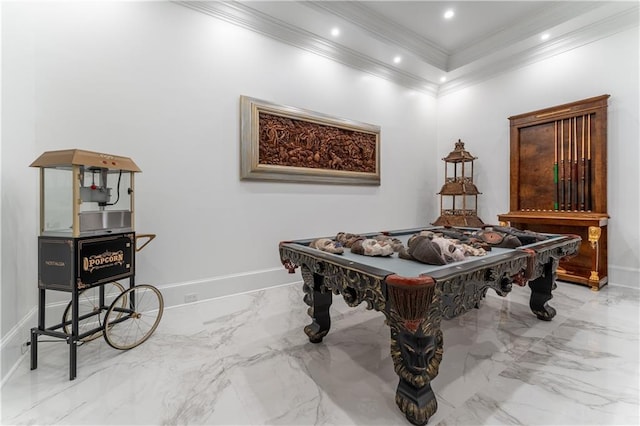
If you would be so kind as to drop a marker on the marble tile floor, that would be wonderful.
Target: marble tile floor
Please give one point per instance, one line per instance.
(244, 360)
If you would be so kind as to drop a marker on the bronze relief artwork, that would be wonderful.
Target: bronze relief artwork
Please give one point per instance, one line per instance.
(291, 144)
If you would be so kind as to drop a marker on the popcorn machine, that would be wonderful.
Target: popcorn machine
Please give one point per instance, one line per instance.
(87, 243)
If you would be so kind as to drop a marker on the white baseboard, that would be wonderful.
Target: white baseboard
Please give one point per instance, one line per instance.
(624, 276)
(13, 348)
(209, 288)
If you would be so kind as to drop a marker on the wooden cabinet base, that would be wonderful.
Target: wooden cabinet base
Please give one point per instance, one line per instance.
(589, 266)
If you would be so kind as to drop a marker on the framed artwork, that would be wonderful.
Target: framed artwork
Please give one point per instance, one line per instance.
(282, 143)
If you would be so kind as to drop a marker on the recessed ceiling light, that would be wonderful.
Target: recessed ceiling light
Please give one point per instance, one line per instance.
(335, 31)
(397, 60)
(544, 36)
(449, 14)
(443, 79)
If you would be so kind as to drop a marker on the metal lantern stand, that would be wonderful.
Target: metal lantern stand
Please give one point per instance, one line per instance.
(459, 195)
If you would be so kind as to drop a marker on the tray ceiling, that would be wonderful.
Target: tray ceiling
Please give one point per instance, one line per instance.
(436, 55)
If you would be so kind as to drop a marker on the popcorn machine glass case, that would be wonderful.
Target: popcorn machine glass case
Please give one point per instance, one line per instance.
(85, 193)
(87, 242)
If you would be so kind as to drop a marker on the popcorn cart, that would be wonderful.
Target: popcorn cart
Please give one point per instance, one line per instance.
(87, 243)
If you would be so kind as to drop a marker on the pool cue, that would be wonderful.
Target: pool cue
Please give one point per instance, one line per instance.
(588, 177)
(555, 165)
(569, 160)
(584, 168)
(575, 163)
(562, 177)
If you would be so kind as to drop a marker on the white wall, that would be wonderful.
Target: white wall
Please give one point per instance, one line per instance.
(479, 115)
(161, 83)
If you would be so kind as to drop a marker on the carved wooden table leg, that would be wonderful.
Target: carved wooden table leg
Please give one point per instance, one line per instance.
(414, 316)
(541, 289)
(319, 299)
(416, 358)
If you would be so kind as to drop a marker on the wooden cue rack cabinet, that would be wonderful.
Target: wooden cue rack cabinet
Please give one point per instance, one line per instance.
(558, 181)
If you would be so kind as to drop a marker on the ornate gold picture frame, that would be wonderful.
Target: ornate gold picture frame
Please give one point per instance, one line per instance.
(282, 143)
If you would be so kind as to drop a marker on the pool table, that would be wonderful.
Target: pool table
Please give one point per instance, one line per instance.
(415, 297)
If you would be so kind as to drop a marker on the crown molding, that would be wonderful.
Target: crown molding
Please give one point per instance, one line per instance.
(246, 17)
(384, 29)
(490, 67)
(473, 64)
(552, 15)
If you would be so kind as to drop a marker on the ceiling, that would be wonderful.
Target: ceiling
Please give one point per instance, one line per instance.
(437, 55)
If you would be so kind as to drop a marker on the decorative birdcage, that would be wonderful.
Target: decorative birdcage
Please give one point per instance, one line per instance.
(459, 195)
